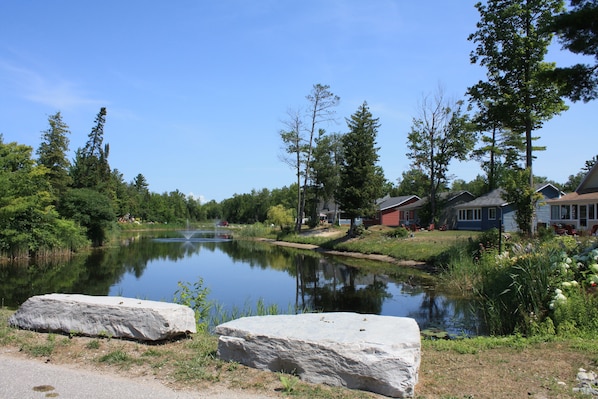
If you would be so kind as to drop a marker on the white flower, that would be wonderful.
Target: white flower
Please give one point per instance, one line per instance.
(558, 292)
(560, 298)
(566, 284)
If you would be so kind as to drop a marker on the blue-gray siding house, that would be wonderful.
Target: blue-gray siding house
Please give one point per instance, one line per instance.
(490, 211)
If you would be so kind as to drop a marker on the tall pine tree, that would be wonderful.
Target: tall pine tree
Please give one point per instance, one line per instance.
(361, 179)
(52, 154)
(91, 168)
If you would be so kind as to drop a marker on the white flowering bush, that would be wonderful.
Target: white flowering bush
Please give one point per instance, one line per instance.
(574, 303)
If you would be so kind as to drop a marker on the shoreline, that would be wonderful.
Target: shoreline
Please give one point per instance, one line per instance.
(377, 257)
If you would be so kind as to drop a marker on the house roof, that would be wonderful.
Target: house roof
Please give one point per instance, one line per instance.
(493, 198)
(393, 202)
(587, 191)
(575, 198)
(589, 184)
(444, 196)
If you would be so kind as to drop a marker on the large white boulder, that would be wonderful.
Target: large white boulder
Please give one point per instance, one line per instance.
(361, 351)
(105, 316)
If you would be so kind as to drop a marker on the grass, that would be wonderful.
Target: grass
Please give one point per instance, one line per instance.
(419, 246)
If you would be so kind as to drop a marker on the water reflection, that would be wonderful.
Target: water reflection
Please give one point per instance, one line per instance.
(238, 274)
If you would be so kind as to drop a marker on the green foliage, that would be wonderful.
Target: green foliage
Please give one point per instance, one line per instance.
(52, 154)
(253, 230)
(441, 134)
(196, 297)
(288, 382)
(522, 196)
(576, 30)
(511, 42)
(361, 180)
(399, 232)
(90, 168)
(279, 216)
(537, 288)
(29, 224)
(116, 357)
(92, 210)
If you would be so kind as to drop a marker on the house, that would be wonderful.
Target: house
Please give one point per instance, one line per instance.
(579, 209)
(389, 213)
(492, 211)
(446, 201)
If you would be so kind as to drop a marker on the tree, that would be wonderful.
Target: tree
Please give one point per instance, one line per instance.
(300, 137)
(293, 142)
(29, 223)
(52, 154)
(361, 179)
(140, 183)
(577, 30)
(476, 187)
(325, 171)
(439, 135)
(511, 42)
(278, 215)
(522, 197)
(91, 168)
(413, 182)
(575, 180)
(92, 210)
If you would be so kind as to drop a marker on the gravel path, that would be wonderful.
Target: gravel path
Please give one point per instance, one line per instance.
(33, 379)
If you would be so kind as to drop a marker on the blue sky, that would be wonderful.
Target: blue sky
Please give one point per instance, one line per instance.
(196, 91)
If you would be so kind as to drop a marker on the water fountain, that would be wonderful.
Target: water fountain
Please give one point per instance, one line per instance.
(188, 233)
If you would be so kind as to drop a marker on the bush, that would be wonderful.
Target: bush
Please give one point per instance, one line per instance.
(399, 232)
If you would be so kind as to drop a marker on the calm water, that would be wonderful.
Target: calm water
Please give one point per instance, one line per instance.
(238, 274)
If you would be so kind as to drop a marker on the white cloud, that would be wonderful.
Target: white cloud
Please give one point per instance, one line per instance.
(56, 92)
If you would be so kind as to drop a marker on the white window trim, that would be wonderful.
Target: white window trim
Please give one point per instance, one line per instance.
(492, 209)
(476, 215)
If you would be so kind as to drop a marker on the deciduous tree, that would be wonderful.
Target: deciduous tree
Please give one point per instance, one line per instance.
(299, 138)
(439, 135)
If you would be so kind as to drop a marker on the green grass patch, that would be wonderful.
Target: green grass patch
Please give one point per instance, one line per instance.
(118, 357)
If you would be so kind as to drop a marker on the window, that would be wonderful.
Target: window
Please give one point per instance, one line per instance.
(591, 214)
(491, 213)
(565, 212)
(555, 213)
(470, 214)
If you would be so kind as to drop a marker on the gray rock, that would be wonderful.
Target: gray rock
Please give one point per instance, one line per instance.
(105, 316)
(375, 353)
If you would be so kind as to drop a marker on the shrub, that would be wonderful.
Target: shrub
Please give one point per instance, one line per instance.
(399, 232)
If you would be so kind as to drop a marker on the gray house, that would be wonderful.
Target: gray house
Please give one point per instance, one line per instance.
(447, 201)
(491, 211)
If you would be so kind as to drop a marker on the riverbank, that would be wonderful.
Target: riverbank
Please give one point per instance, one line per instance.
(377, 257)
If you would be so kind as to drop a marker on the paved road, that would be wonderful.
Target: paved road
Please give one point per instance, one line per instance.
(33, 379)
